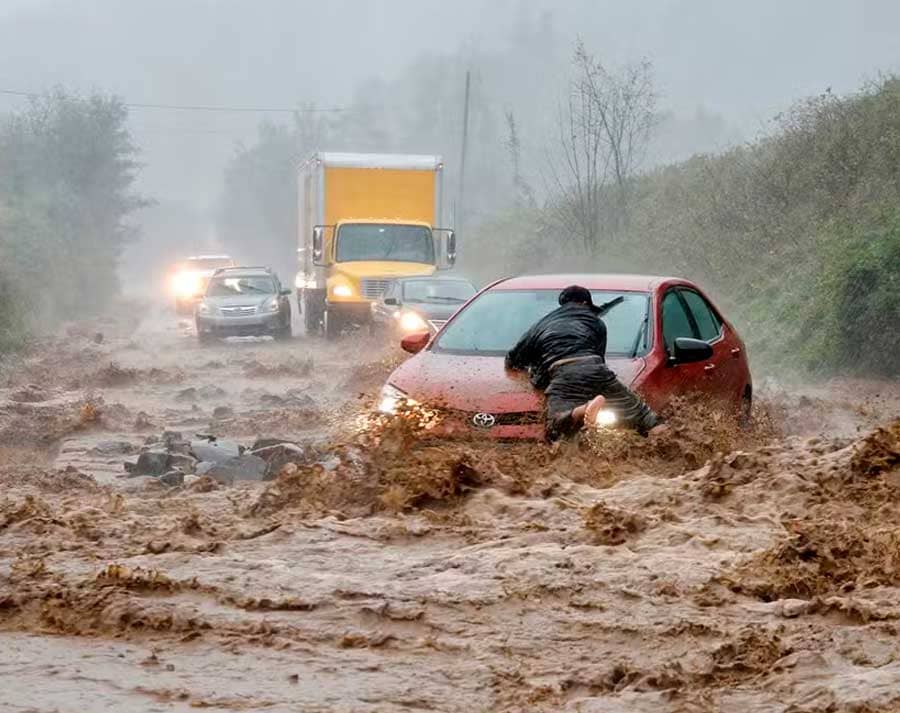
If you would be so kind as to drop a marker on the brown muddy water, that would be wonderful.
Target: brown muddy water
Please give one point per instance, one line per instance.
(710, 571)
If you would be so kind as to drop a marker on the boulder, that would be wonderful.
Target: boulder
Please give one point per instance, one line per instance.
(244, 467)
(215, 451)
(183, 463)
(113, 448)
(150, 462)
(222, 412)
(173, 478)
(278, 455)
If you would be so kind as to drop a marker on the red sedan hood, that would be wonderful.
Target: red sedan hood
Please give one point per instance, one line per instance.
(479, 383)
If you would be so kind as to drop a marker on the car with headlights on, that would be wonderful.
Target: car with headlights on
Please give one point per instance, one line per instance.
(417, 304)
(665, 338)
(244, 301)
(188, 279)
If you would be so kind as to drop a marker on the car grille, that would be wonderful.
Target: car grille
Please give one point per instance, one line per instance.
(512, 418)
(238, 310)
(373, 289)
(437, 323)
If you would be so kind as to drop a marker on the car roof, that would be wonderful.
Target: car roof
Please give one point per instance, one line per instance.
(592, 281)
(245, 271)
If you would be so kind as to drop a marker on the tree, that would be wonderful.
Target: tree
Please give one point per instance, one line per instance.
(67, 170)
(604, 130)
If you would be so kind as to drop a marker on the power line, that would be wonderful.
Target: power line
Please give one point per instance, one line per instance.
(201, 107)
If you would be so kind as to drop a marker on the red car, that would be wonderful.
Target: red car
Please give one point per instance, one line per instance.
(664, 339)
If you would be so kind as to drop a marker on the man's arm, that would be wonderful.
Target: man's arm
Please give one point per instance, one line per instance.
(521, 356)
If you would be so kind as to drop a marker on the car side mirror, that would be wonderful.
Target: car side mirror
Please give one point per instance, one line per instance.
(392, 301)
(451, 248)
(286, 292)
(414, 343)
(690, 351)
(318, 245)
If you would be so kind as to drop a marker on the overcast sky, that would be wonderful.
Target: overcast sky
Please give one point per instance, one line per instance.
(745, 59)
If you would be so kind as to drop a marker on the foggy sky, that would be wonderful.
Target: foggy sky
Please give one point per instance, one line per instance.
(744, 60)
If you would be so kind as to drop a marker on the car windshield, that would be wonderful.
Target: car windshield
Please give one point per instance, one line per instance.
(208, 263)
(494, 322)
(240, 286)
(398, 243)
(441, 291)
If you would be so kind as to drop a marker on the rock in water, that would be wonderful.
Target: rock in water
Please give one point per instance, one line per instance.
(216, 451)
(245, 467)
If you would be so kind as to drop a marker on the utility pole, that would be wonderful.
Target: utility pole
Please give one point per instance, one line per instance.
(462, 159)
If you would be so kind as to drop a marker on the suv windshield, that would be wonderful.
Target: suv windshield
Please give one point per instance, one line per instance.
(494, 322)
(240, 286)
(398, 243)
(451, 291)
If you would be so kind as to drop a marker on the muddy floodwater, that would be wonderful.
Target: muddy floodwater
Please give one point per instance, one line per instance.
(346, 571)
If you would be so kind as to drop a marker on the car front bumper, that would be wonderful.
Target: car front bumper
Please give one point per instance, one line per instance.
(237, 326)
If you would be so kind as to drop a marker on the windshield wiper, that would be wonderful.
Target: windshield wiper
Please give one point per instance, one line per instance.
(607, 306)
(641, 331)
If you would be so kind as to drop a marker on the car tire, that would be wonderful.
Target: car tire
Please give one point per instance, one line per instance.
(284, 333)
(312, 315)
(745, 412)
(333, 324)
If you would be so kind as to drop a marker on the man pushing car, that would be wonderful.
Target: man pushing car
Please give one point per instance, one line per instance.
(565, 356)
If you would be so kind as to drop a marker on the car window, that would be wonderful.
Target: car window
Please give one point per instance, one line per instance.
(238, 286)
(676, 322)
(494, 321)
(706, 320)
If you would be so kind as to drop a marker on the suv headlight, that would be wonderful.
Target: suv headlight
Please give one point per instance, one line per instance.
(271, 305)
(391, 398)
(203, 308)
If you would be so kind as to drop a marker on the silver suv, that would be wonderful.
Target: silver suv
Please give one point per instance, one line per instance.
(243, 301)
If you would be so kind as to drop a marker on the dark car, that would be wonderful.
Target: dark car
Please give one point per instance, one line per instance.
(244, 301)
(419, 304)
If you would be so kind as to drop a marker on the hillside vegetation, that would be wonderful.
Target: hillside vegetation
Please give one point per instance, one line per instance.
(797, 235)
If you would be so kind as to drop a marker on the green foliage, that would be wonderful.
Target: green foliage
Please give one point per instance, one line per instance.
(66, 173)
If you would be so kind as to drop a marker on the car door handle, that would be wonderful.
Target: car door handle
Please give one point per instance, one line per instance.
(709, 367)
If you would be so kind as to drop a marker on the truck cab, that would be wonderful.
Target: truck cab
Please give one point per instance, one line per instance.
(365, 220)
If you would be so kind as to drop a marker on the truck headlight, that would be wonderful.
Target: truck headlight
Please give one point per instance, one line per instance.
(605, 418)
(412, 322)
(342, 291)
(391, 398)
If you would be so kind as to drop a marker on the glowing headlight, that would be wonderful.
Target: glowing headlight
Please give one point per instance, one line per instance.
(411, 322)
(391, 398)
(342, 291)
(605, 417)
(186, 284)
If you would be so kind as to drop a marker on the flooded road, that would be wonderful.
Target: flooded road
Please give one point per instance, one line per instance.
(718, 571)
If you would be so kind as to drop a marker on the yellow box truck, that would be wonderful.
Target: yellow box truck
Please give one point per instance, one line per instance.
(365, 219)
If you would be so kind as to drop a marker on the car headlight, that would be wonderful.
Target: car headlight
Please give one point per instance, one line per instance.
(272, 305)
(605, 418)
(204, 308)
(391, 398)
(412, 322)
(342, 291)
(186, 284)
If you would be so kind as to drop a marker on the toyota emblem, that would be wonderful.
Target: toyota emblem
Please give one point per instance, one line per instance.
(484, 420)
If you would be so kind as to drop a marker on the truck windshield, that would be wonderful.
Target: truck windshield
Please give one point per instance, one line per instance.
(494, 322)
(397, 243)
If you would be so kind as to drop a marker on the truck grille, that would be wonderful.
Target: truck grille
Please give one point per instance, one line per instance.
(238, 311)
(373, 289)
